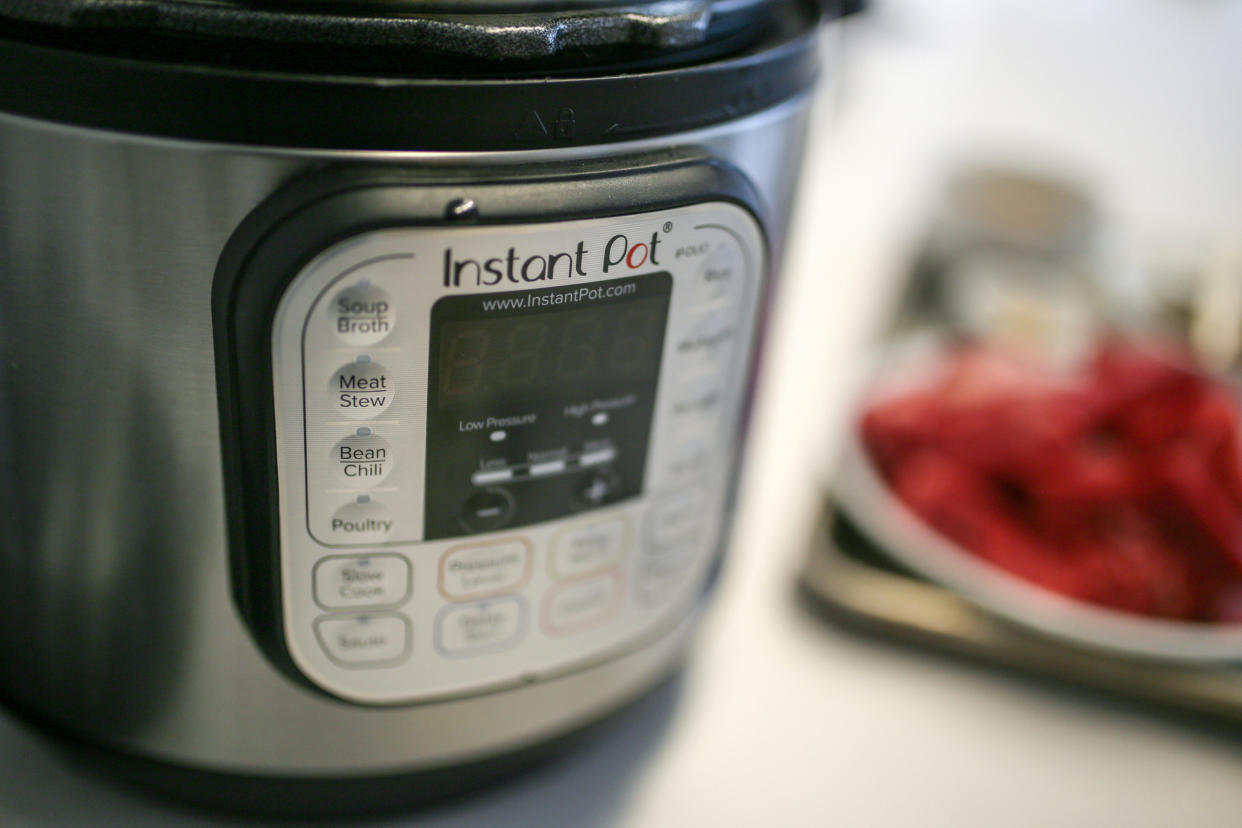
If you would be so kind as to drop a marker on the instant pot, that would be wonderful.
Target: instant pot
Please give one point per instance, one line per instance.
(374, 374)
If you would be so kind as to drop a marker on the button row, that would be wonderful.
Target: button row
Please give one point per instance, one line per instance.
(473, 628)
(482, 579)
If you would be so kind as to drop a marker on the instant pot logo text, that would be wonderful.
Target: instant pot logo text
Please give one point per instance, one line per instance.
(619, 253)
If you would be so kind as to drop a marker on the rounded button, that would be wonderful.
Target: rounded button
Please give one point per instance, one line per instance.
(362, 314)
(484, 627)
(362, 389)
(475, 570)
(701, 397)
(583, 549)
(362, 521)
(677, 520)
(694, 450)
(708, 342)
(363, 581)
(595, 489)
(575, 606)
(365, 640)
(661, 576)
(487, 511)
(720, 276)
(363, 459)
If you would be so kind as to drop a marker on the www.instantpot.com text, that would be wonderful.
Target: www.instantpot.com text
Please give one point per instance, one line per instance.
(618, 253)
(563, 297)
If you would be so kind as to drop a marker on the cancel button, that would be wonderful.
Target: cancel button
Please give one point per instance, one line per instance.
(343, 581)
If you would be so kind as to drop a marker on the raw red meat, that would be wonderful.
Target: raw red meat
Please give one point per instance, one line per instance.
(1118, 484)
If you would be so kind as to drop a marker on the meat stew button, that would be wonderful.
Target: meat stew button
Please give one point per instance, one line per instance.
(362, 389)
(364, 640)
(342, 581)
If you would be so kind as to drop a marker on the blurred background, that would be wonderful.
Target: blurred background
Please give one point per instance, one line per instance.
(1103, 140)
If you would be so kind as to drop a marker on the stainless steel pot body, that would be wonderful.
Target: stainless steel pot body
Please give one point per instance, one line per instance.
(118, 622)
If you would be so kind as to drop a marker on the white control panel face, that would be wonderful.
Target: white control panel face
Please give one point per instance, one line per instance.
(504, 451)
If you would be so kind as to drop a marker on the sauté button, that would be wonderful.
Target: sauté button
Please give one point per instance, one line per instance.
(362, 459)
(362, 314)
(362, 389)
(364, 640)
(487, 511)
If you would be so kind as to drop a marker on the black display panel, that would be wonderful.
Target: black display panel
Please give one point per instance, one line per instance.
(540, 402)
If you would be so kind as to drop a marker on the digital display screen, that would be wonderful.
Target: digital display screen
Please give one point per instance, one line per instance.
(540, 402)
(498, 356)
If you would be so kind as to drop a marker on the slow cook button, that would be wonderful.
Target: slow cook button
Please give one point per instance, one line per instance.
(479, 569)
(362, 314)
(580, 605)
(362, 389)
(472, 629)
(583, 549)
(365, 640)
(361, 521)
(364, 581)
(675, 520)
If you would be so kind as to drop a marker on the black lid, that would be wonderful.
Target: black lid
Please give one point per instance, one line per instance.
(93, 69)
(484, 29)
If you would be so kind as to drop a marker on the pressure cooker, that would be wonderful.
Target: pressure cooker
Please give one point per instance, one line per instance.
(375, 374)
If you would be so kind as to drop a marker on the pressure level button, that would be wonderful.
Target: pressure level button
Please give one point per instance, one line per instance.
(362, 314)
(362, 389)
(363, 459)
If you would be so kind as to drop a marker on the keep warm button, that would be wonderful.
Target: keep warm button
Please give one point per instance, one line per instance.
(364, 640)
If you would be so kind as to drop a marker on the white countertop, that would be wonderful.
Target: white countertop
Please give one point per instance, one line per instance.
(779, 720)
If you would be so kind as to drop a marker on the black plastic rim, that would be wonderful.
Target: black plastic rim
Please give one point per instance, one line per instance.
(357, 111)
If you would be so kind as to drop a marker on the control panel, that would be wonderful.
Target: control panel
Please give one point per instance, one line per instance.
(504, 452)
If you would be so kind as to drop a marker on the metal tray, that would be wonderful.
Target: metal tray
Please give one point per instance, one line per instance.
(851, 581)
